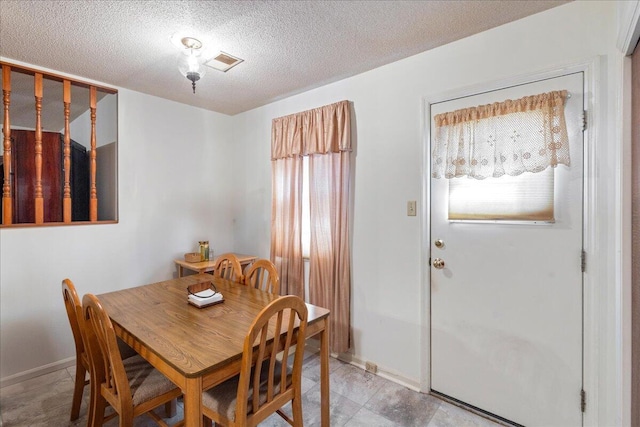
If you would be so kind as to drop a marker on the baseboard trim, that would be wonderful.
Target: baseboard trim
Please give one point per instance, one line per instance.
(313, 345)
(36, 372)
(381, 372)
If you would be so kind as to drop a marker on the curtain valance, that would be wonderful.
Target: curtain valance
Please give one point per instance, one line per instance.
(318, 131)
(511, 137)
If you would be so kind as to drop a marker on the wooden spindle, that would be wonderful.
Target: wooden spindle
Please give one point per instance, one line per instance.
(93, 200)
(7, 205)
(66, 197)
(39, 198)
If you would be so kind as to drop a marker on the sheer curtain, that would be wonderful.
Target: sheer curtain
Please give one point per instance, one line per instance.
(286, 224)
(286, 204)
(323, 134)
(330, 253)
(511, 137)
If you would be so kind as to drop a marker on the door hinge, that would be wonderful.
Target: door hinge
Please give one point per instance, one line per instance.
(583, 400)
(584, 120)
(583, 261)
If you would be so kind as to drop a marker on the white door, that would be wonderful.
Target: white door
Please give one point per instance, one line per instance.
(506, 308)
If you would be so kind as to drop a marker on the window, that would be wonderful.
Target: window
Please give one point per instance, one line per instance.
(306, 214)
(526, 197)
(314, 147)
(500, 158)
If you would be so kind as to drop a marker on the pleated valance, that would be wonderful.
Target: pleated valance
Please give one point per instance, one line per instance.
(511, 137)
(318, 131)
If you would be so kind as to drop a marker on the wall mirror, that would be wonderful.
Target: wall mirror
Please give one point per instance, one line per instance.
(59, 150)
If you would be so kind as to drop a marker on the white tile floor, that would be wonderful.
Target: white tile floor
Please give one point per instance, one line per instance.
(358, 399)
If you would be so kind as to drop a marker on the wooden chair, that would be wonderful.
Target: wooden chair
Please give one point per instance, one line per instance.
(263, 389)
(228, 267)
(263, 275)
(74, 313)
(131, 386)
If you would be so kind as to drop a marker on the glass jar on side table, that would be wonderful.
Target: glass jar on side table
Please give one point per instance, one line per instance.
(204, 250)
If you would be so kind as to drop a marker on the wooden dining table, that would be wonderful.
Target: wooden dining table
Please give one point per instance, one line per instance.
(198, 348)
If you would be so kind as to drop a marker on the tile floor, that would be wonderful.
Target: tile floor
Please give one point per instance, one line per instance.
(358, 399)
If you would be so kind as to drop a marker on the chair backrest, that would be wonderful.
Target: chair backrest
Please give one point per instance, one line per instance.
(104, 355)
(277, 384)
(74, 313)
(263, 275)
(228, 267)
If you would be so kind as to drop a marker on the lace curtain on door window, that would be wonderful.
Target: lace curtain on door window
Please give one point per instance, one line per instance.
(511, 137)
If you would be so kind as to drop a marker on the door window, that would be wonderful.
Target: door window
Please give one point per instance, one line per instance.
(525, 197)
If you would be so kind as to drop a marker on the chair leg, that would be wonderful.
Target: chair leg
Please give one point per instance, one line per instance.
(98, 406)
(296, 407)
(78, 389)
(125, 417)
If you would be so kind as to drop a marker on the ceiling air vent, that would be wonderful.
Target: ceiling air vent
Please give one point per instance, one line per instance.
(223, 61)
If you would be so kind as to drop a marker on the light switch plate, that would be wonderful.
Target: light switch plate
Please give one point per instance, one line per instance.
(411, 208)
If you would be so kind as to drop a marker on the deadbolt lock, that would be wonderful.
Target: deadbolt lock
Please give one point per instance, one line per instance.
(439, 243)
(438, 263)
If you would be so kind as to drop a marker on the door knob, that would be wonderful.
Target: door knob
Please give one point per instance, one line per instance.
(439, 243)
(438, 263)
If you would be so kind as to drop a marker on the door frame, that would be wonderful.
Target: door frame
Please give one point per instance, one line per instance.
(594, 272)
(628, 38)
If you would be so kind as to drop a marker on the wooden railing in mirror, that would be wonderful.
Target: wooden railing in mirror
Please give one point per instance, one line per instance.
(59, 149)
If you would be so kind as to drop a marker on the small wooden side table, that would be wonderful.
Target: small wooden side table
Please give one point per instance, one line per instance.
(205, 266)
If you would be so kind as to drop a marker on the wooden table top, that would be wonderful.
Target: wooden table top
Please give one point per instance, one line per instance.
(194, 341)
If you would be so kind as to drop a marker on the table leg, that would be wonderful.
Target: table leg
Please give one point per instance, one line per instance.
(324, 376)
(193, 402)
(180, 270)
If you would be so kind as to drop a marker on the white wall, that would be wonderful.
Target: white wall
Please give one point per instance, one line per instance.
(163, 213)
(174, 187)
(387, 258)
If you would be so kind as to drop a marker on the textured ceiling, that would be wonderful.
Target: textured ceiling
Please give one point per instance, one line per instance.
(288, 46)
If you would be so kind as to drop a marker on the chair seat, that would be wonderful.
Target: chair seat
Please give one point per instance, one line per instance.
(222, 398)
(146, 382)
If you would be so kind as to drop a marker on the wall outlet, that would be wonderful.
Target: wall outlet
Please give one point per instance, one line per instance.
(371, 367)
(411, 208)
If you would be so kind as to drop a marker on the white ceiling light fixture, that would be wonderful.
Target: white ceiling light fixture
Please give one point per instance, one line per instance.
(190, 61)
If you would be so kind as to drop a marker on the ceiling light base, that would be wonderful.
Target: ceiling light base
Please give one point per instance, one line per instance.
(191, 43)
